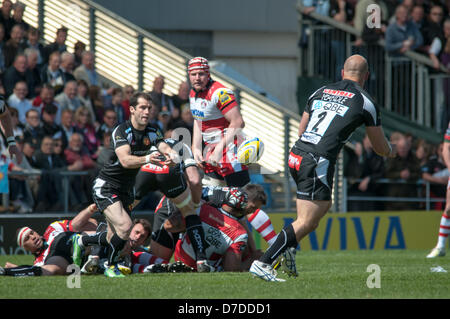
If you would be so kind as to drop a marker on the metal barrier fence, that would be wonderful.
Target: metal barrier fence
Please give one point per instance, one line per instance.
(65, 175)
(407, 85)
(128, 54)
(413, 198)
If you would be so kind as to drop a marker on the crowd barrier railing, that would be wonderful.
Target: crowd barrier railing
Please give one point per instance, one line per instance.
(428, 200)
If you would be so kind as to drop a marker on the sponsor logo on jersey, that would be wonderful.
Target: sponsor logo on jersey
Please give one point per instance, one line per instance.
(337, 108)
(146, 141)
(224, 97)
(339, 93)
(198, 114)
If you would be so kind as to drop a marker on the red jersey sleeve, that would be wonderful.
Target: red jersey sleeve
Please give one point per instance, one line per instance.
(226, 100)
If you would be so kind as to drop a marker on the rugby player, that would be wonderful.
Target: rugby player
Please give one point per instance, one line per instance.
(113, 188)
(55, 250)
(217, 123)
(444, 227)
(332, 114)
(227, 237)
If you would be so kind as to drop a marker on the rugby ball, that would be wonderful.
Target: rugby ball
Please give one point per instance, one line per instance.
(250, 151)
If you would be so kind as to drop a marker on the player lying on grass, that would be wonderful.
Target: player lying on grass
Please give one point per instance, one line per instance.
(225, 234)
(165, 237)
(53, 251)
(178, 180)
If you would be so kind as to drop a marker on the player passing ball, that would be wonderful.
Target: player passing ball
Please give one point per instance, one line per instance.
(332, 114)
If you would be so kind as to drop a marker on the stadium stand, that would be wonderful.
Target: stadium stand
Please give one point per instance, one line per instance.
(113, 56)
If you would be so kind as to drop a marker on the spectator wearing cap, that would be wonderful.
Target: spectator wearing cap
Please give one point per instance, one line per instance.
(48, 115)
(68, 99)
(86, 71)
(19, 100)
(58, 46)
(15, 73)
(33, 127)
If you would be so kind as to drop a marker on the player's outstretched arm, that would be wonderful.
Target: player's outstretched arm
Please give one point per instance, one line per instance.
(82, 221)
(380, 144)
(131, 161)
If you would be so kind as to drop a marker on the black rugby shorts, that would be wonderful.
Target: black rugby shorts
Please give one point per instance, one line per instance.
(105, 194)
(313, 175)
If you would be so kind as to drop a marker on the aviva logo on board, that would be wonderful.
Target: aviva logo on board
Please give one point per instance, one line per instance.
(366, 231)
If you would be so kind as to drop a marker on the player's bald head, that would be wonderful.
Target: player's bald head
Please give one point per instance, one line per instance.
(356, 68)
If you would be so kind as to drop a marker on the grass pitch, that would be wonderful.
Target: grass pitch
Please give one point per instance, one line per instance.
(322, 274)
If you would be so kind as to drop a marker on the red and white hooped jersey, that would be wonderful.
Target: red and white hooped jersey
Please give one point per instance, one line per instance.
(223, 233)
(53, 230)
(209, 107)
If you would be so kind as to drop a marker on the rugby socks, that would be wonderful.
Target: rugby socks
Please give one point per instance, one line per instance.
(196, 236)
(116, 245)
(285, 239)
(23, 271)
(261, 222)
(96, 239)
(444, 231)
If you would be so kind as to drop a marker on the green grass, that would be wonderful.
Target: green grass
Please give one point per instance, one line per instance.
(322, 274)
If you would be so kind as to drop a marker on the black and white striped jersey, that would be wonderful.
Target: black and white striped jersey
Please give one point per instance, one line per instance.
(335, 112)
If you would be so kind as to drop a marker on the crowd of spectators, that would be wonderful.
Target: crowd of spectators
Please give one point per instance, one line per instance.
(416, 160)
(63, 114)
(420, 25)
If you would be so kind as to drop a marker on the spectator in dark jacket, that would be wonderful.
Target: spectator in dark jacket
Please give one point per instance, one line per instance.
(59, 45)
(12, 46)
(368, 166)
(15, 73)
(405, 169)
